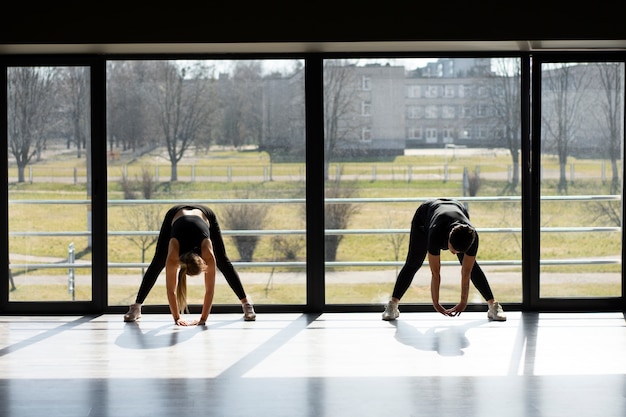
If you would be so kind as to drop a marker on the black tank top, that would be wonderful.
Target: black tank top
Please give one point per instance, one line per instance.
(190, 231)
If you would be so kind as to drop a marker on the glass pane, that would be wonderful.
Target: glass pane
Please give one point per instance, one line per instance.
(228, 135)
(581, 185)
(49, 184)
(399, 132)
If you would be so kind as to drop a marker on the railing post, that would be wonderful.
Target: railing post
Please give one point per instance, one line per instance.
(70, 271)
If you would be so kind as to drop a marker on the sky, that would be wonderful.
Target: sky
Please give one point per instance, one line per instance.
(282, 65)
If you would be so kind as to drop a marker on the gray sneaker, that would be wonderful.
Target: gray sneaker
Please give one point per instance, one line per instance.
(391, 311)
(134, 313)
(248, 312)
(495, 312)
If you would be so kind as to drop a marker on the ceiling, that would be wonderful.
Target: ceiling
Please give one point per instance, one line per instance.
(313, 47)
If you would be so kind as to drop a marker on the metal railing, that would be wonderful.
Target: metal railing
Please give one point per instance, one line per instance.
(302, 264)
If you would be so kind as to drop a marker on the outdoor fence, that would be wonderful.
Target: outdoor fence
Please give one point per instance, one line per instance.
(71, 264)
(271, 172)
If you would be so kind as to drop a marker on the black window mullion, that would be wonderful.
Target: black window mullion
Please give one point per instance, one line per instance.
(314, 97)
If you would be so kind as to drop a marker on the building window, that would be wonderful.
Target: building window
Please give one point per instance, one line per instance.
(366, 134)
(366, 83)
(366, 108)
(414, 91)
(448, 112)
(431, 112)
(431, 135)
(432, 91)
(415, 133)
(415, 112)
(449, 90)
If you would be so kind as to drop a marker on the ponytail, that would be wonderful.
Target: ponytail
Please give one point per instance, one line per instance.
(181, 290)
(190, 264)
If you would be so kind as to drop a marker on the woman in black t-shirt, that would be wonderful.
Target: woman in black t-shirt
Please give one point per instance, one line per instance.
(443, 224)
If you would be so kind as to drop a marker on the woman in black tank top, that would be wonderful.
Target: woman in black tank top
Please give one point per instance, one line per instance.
(190, 241)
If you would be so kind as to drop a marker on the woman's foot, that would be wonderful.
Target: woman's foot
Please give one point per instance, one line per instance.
(391, 311)
(134, 313)
(248, 312)
(495, 312)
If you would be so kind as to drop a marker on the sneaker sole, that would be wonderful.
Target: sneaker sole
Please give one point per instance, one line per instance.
(130, 320)
(496, 319)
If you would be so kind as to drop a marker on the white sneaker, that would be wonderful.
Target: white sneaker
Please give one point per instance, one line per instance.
(248, 312)
(391, 311)
(134, 313)
(495, 312)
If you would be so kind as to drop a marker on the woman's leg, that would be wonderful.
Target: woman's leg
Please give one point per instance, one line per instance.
(479, 279)
(222, 260)
(494, 310)
(160, 257)
(414, 258)
(226, 267)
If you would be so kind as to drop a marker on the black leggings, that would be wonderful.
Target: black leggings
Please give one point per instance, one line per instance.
(415, 260)
(160, 254)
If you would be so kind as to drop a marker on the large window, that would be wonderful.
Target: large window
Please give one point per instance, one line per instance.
(582, 142)
(225, 134)
(374, 188)
(49, 183)
(314, 193)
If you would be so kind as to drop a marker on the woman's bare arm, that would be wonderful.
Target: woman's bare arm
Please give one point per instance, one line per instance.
(209, 280)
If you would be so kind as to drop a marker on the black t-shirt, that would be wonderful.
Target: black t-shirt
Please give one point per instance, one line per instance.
(190, 231)
(439, 217)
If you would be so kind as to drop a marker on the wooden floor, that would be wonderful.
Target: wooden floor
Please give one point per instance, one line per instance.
(424, 364)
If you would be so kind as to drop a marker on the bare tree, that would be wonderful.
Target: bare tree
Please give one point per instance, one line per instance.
(126, 104)
(30, 104)
(610, 117)
(505, 86)
(340, 109)
(337, 215)
(143, 218)
(183, 102)
(562, 97)
(74, 93)
(241, 105)
(612, 86)
(395, 239)
(283, 116)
